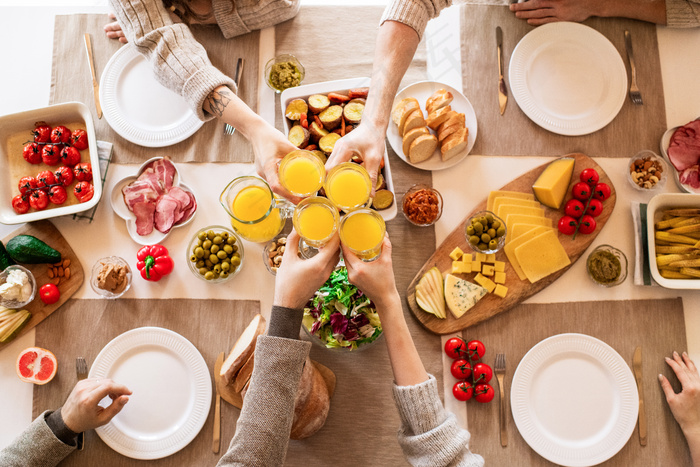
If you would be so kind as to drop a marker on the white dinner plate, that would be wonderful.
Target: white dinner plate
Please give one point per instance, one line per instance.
(568, 78)
(139, 108)
(574, 400)
(421, 91)
(171, 390)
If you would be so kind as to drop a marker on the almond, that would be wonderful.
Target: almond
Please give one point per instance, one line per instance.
(66, 273)
(49, 271)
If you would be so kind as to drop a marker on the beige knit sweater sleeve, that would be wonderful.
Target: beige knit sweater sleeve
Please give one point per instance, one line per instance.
(37, 446)
(179, 62)
(682, 13)
(414, 13)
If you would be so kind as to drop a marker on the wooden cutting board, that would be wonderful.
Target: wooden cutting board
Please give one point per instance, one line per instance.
(518, 290)
(45, 231)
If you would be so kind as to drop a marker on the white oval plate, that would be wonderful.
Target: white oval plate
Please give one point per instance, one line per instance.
(568, 78)
(421, 91)
(171, 389)
(139, 108)
(574, 400)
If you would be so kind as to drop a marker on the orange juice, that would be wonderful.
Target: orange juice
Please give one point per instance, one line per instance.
(251, 204)
(348, 186)
(363, 232)
(301, 173)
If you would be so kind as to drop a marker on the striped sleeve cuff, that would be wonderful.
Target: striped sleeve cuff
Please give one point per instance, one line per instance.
(682, 14)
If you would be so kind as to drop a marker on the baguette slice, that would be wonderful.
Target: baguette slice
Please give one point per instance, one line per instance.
(415, 120)
(454, 144)
(398, 109)
(439, 99)
(455, 118)
(410, 136)
(243, 375)
(242, 349)
(411, 107)
(438, 117)
(447, 132)
(422, 148)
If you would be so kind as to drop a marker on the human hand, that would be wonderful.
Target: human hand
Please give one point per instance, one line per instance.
(376, 278)
(685, 405)
(270, 146)
(297, 279)
(114, 31)
(538, 12)
(81, 412)
(366, 142)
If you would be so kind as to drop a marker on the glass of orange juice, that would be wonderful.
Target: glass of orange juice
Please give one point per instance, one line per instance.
(316, 221)
(348, 186)
(256, 213)
(302, 173)
(362, 231)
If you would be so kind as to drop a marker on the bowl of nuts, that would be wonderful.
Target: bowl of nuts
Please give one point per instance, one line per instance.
(215, 254)
(273, 251)
(647, 171)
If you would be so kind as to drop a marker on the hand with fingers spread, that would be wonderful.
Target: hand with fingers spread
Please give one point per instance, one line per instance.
(538, 12)
(366, 142)
(81, 411)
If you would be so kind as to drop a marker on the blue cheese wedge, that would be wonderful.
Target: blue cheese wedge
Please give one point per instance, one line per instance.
(461, 295)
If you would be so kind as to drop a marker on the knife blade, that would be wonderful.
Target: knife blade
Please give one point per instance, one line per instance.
(216, 442)
(637, 366)
(95, 84)
(502, 90)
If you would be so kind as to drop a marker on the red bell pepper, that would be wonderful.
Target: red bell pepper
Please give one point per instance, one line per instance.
(154, 262)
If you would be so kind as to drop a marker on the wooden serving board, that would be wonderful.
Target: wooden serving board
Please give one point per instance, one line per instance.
(45, 231)
(518, 290)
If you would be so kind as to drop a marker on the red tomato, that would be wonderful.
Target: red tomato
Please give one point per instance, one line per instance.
(49, 293)
(83, 172)
(581, 191)
(79, 139)
(462, 391)
(482, 373)
(602, 191)
(461, 369)
(63, 175)
(574, 208)
(84, 191)
(595, 208)
(38, 199)
(45, 178)
(42, 133)
(57, 194)
(51, 154)
(476, 350)
(20, 204)
(60, 134)
(455, 347)
(588, 224)
(32, 153)
(483, 393)
(27, 184)
(70, 156)
(589, 176)
(567, 225)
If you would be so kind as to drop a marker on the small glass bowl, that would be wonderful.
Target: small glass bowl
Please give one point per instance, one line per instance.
(105, 262)
(193, 242)
(619, 255)
(16, 304)
(501, 239)
(288, 58)
(651, 156)
(415, 189)
(268, 248)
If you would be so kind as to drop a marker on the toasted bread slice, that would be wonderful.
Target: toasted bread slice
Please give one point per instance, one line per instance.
(455, 144)
(397, 111)
(415, 120)
(406, 114)
(410, 136)
(454, 119)
(438, 117)
(447, 132)
(439, 99)
(422, 148)
(243, 376)
(242, 349)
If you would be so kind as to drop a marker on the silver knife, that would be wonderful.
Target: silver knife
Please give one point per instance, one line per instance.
(637, 367)
(502, 90)
(95, 84)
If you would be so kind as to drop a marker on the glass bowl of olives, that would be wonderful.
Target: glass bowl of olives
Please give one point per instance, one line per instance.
(485, 232)
(215, 254)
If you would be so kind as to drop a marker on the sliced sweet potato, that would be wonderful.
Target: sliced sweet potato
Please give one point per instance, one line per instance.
(331, 117)
(358, 92)
(298, 136)
(398, 109)
(317, 131)
(318, 103)
(352, 112)
(327, 143)
(382, 199)
(438, 117)
(295, 108)
(414, 120)
(422, 148)
(321, 155)
(381, 182)
(410, 136)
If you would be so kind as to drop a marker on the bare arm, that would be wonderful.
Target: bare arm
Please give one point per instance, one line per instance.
(538, 12)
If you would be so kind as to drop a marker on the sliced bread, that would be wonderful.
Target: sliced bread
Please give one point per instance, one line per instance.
(410, 136)
(439, 99)
(454, 144)
(422, 148)
(455, 118)
(398, 109)
(414, 120)
(438, 117)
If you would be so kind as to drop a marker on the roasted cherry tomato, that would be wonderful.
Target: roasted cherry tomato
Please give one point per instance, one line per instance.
(455, 347)
(32, 153)
(588, 224)
(70, 156)
(20, 204)
(483, 393)
(567, 225)
(38, 199)
(51, 154)
(602, 191)
(84, 191)
(60, 135)
(64, 175)
(574, 208)
(45, 178)
(482, 373)
(476, 350)
(595, 207)
(79, 139)
(57, 194)
(26, 184)
(83, 172)
(49, 293)
(461, 369)
(581, 191)
(589, 176)
(462, 391)
(42, 133)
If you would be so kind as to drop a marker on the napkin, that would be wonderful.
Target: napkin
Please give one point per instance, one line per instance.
(642, 272)
(104, 154)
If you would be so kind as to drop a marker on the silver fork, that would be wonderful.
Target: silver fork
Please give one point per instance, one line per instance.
(228, 129)
(635, 95)
(81, 369)
(499, 368)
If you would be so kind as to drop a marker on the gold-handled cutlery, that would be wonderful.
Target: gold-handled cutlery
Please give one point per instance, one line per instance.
(637, 367)
(499, 368)
(81, 370)
(228, 129)
(216, 442)
(635, 95)
(95, 84)
(502, 90)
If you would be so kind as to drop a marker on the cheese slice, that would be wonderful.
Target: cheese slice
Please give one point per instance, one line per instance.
(553, 184)
(542, 256)
(511, 194)
(510, 247)
(461, 295)
(520, 228)
(501, 200)
(506, 209)
(513, 219)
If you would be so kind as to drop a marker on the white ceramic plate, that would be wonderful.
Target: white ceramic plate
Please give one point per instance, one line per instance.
(568, 78)
(342, 86)
(663, 145)
(574, 400)
(139, 108)
(421, 91)
(171, 389)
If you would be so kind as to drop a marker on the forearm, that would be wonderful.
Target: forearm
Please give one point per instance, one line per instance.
(693, 439)
(225, 105)
(36, 446)
(653, 11)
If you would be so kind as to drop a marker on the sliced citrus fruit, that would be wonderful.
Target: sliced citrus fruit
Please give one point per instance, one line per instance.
(36, 365)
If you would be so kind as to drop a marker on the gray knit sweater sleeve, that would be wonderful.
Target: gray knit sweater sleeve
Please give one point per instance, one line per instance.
(429, 435)
(37, 446)
(682, 13)
(414, 13)
(179, 62)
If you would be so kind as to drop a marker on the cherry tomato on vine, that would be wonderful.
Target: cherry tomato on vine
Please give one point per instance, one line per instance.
(462, 391)
(42, 133)
(483, 393)
(26, 184)
(461, 369)
(476, 350)
(60, 135)
(45, 178)
(581, 191)
(64, 175)
(70, 156)
(589, 176)
(57, 194)
(455, 347)
(50, 154)
(602, 191)
(83, 172)
(38, 199)
(20, 204)
(595, 208)
(32, 153)
(588, 224)
(482, 373)
(84, 191)
(567, 225)
(79, 139)
(574, 208)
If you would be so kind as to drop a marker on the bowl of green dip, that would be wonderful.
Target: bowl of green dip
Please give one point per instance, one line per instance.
(284, 72)
(607, 266)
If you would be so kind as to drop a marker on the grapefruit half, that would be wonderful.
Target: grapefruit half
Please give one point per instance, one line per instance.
(36, 365)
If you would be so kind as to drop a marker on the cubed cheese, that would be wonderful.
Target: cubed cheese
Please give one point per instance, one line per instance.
(461, 295)
(467, 258)
(485, 282)
(499, 278)
(541, 256)
(456, 254)
(476, 266)
(457, 267)
(553, 184)
(499, 266)
(491, 258)
(487, 270)
(500, 290)
(466, 268)
(480, 257)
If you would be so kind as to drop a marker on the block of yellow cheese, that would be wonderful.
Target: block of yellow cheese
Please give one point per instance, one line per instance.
(499, 266)
(456, 254)
(500, 290)
(485, 282)
(551, 186)
(510, 247)
(511, 194)
(513, 219)
(487, 270)
(541, 256)
(491, 258)
(480, 257)
(467, 258)
(500, 278)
